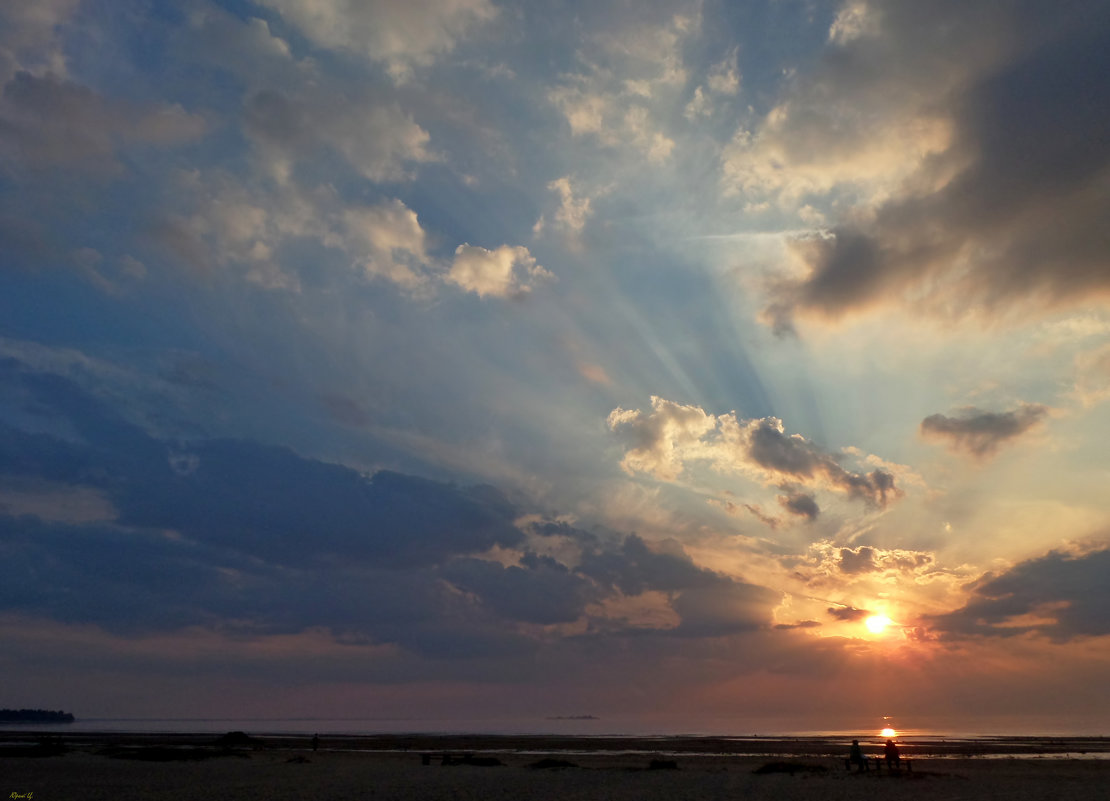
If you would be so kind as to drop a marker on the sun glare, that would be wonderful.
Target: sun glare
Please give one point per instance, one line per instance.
(888, 733)
(876, 624)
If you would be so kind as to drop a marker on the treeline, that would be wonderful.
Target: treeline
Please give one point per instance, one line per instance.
(34, 716)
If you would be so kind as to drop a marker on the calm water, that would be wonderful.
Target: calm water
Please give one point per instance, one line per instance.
(917, 742)
(558, 726)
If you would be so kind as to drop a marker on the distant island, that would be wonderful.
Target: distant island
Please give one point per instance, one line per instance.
(34, 716)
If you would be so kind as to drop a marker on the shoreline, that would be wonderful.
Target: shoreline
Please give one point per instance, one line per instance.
(183, 766)
(919, 748)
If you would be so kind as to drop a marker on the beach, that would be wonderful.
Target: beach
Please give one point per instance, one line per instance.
(177, 767)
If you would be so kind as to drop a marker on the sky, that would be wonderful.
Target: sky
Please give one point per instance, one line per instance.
(703, 364)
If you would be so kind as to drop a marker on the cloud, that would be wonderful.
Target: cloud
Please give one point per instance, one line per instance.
(627, 74)
(504, 272)
(375, 137)
(829, 563)
(662, 442)
(543, 591)
(49, 122)
(724, 78)
(859, 560)
(980, 433)
(801, 504)
(847, 614)
(29, 37)
(387, 241)
(223, 221)
(1062, 595)
(1092, 376)
(965, 204)
(573, 212)
(802, 624)
(698, 106)
(708, 604)
(400, 34)
(239, 537)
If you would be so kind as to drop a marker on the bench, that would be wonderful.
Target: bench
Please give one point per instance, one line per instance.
(878, 762)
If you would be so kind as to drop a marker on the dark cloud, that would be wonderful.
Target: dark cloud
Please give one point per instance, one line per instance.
(860, 560)
(635, 568)
(1061, 595)
(540, 591)
(801, 504)
(980, 433)
(847, 613)
(46, 121)
(801, 624)
(1021, 219)
(722, 608)
(246, 539)
(795, 457)
(345, 411)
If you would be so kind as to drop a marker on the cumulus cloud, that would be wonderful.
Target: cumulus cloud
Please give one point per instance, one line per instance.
(869, 571)
(672, 434)
(503, 272)
(858, 560)
(965, 203)
(251, 224)
(221, 221)
(47, 121)
(400, 34)
(388, 242)
(1062, 595)
(980, 433)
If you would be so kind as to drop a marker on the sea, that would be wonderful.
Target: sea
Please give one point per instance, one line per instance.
(1045, 743)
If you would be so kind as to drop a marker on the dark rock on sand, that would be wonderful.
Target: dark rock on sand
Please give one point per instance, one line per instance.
(552, 764)
(237, 739)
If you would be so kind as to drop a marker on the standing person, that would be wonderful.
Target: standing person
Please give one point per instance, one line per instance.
(893, 758)
(315, 741)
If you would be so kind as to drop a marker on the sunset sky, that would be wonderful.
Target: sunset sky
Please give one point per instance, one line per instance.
(469, 358)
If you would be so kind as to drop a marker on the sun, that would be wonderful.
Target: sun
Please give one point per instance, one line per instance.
(876, 624)
(888, 732)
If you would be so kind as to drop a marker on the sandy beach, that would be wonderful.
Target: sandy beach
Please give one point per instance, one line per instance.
(154, 767)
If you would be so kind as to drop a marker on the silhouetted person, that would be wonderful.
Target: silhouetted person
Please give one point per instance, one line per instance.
(856, 757)
(893, 759)
(315, 741)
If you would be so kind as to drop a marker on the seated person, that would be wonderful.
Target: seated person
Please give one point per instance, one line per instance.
(893, 759)
(856, 757)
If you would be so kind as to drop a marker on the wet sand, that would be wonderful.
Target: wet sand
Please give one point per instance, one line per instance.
(177, 767)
